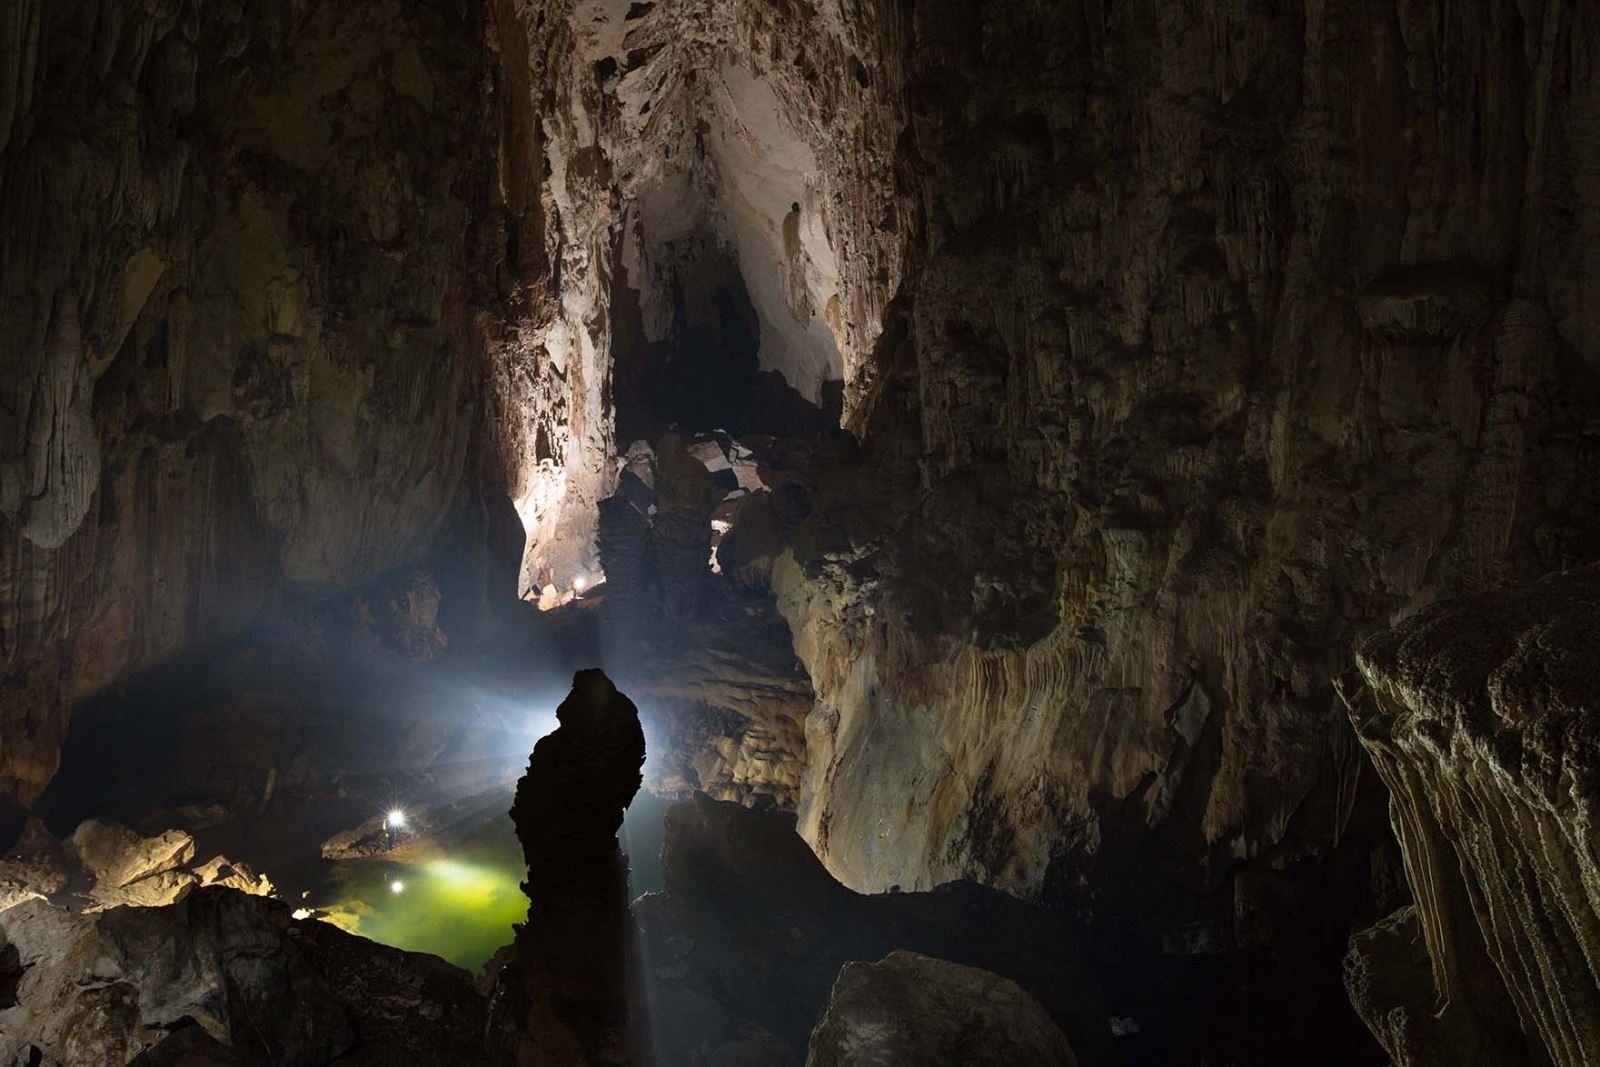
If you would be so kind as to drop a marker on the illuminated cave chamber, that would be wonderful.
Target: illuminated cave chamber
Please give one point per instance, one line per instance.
(1023, 445)
(693, 230)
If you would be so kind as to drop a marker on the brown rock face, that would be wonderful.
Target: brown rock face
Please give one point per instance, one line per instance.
(908, 1008)
(276, 301)
(235, 291)
(1483, 718)
(223, 978)
(569, 995)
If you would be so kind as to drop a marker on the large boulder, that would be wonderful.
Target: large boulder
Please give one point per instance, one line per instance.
(261, 986)
(746, 941)
(130, 869)
(911, 1009)
(35, 866)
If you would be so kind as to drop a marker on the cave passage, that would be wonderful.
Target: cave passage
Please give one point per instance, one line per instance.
(706, 374)
(1092, 512)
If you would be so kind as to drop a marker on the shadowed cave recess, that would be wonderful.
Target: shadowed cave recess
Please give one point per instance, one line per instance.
(829, 532)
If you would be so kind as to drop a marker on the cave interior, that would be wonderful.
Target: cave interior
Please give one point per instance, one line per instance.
(717, 532)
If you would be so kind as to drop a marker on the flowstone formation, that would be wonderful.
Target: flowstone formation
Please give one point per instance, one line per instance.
(569, 996)
(277, 307)
(1482, 714)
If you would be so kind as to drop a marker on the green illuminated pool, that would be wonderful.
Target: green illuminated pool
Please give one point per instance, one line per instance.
(457, 898)
(458, 902)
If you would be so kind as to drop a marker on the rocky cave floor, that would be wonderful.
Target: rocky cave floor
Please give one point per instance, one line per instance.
(263, 805)
(241, 848)
(1122, 587)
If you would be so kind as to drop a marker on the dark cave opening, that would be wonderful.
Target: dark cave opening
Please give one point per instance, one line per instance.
(705, 375)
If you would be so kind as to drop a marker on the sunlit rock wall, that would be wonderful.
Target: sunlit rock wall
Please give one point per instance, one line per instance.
(552, 355)
(241, 246)
(1233, 331)
(715, 119)
(1483, 717)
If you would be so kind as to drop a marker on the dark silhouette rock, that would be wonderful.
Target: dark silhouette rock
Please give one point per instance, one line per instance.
(567, 997)
(916, 1009)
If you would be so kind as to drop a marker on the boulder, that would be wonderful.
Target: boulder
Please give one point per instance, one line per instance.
(129, 869)
(911, 1009)
(751, 929)
(119, 985)
(36, 866)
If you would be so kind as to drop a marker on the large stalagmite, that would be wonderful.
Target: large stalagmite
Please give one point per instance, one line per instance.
(569, 995)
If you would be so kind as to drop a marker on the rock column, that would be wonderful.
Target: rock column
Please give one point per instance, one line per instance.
(568, 998)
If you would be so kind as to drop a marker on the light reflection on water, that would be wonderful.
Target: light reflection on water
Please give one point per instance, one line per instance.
(457, 902)
(460, 895)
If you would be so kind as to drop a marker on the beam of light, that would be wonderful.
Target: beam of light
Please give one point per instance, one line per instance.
(396, 820)
(397, 886)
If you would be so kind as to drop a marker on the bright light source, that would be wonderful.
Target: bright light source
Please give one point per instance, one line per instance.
(579, 583)
(397, 886)
(300, 913)
(396, 820)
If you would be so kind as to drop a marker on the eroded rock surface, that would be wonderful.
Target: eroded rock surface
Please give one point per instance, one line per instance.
(911, 1009)
(260, 987)
(1483, 717)
(104, 864)
(289, 325)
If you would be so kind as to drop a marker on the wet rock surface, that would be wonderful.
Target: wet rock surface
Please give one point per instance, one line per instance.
(1481, 716)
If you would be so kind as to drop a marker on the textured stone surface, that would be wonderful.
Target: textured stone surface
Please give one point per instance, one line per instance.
(104, 864)
(1483, 717)
(1188, 343)
(106, 988)
(908, 1009)
(292, 322)
(1142, 468)
(238, 355)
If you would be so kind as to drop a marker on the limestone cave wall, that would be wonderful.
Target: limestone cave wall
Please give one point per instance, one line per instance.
(265, 269)
(1233, 330)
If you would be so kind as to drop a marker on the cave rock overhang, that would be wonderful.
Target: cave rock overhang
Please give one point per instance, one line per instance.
(711, 167)
(676, 142)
